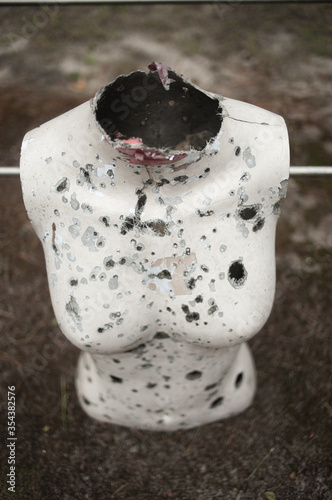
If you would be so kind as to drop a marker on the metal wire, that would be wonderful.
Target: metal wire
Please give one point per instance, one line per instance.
(294, 171)
(311, 171)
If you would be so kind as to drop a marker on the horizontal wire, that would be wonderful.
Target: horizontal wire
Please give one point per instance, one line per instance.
(316, 171)
(294, 171)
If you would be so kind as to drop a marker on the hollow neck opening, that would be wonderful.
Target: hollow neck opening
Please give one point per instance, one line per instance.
(138, 105)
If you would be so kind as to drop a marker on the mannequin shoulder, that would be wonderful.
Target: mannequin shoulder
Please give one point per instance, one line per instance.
(245, 112)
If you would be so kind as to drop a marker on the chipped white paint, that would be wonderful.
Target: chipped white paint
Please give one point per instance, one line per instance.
(160, 260)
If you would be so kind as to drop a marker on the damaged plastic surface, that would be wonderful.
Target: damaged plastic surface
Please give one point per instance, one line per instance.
(156, 204)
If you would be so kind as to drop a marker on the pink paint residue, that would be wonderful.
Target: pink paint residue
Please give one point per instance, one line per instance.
(133, 148)
(138, 156)
(163, 73)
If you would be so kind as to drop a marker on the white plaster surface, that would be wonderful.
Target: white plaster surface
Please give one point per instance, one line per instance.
(159, 274)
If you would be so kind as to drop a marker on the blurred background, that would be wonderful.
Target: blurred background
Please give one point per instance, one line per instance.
(54, 57)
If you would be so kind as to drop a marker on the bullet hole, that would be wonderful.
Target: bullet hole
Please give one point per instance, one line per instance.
(204, 214)
(73, 282)
(245, 177)
(141, 202)
(105, 220)
(258, 225)
(86, 172)
(122, 261)
(210, 386)
(115, 315)
(116, 380)
(161, 335)
(88, 238)
(248, 212)
(204, 268)
(276, 208)
(181, 178)
(162, 182)
(128, 225)
(149, 385)
(93, 274)
(164, 274)
(87, 208)
(109, 262)
(54, 246)
(212, 310)
(237, 274)
(237, 151)
(198, 299)
(190, 316)
(238, 380)
(217, 402)
(191, 283)
(62, 185)
(86, 401)
(194, 375)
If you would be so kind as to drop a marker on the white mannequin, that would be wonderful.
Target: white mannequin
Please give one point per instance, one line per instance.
(160, 256)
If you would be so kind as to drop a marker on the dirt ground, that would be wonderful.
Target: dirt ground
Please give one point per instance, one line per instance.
(275, 56)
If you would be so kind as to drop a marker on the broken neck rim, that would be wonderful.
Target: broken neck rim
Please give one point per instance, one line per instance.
(154, 125)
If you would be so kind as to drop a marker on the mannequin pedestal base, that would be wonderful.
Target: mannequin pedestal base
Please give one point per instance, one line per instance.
(161, 404)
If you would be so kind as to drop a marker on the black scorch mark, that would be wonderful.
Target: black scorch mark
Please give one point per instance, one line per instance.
(54, 246)
(156, 227)
(73, 310)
